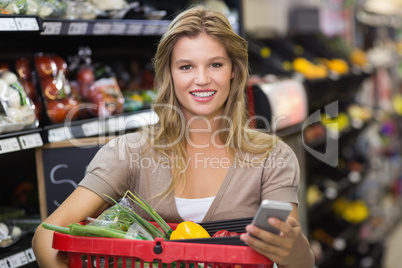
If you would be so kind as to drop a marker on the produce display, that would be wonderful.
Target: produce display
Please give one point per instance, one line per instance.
(42, 8)
(9, 234)
(358, 57)
(78, 91)
(56, 90)
(104, 92)
(96, 84)
(87, 9)
(136, 100)
(46, 89)
(83, 9)
(26, 75)
(310, 69)
(336, 124)
(17, 111)
(321, 67)
(336, 65)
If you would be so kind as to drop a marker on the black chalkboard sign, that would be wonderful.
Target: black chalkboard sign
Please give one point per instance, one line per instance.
(60, 167)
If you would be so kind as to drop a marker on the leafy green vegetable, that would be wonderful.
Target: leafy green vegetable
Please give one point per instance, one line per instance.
(145, 206)
(116, 221)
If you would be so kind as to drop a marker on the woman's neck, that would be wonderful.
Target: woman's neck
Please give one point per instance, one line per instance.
(202, 132)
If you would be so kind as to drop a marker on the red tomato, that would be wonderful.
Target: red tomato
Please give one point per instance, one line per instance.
(71, 107)
(45, 66)
(86, 75)
(56, 111)
(49, 88)
(221, 233)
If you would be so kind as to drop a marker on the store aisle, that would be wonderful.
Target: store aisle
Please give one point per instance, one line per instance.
(392, 254)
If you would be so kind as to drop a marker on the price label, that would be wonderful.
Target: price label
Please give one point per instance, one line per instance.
(51, 28)
(27, 24)
(140, 120)
(9, 145)
(16, 260)
(91, 129)
(30, 141)
(59, 134)
(101, 28)
(116, 124)
(30, 255)
(8, 24)
(77, 28)
(134, 29)
(118, 28)
(151, 29)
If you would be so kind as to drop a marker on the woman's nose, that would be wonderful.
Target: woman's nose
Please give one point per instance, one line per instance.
(202, 77)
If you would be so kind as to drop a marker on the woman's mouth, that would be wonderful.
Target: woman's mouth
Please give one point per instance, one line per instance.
(203, 94)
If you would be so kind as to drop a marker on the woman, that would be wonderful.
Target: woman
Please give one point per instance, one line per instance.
(200, 162)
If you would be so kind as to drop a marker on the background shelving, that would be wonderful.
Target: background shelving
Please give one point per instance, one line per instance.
(367, 166)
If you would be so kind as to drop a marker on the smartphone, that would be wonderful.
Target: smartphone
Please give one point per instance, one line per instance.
(271, 208)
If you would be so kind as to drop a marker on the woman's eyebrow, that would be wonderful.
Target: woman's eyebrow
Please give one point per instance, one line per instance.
(218, 58)
(182, 61)
(215, 58)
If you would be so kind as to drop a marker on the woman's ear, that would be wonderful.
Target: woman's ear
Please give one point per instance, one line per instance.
(233, 75)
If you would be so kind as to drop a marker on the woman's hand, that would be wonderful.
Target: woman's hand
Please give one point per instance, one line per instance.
(288, 249)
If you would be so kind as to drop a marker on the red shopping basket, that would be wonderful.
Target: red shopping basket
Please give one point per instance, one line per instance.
(91, 252)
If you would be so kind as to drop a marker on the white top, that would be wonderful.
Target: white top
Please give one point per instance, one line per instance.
(193, 209)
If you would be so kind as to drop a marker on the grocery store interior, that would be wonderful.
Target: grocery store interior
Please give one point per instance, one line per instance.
(325, 76)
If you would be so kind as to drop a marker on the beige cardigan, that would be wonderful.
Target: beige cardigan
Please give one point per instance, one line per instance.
(123, 164)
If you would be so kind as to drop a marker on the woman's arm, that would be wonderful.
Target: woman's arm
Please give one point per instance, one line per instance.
(289, 249)
(82, 203)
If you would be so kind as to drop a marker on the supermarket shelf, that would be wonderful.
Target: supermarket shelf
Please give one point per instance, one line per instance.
(104, 27)
(21, 140)
(319, 210)
(32, 138)
(19, 254)
(359, 252)
(50, 26)
(322, 92)
(99, 126)
(58, 27)
(17, 23)
(348, 133)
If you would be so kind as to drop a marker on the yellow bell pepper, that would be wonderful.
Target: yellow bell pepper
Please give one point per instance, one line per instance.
(188, 230)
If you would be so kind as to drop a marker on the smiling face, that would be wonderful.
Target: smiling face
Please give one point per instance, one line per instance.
(201, 70)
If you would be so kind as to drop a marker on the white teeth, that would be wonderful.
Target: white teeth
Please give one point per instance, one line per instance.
(203, 94)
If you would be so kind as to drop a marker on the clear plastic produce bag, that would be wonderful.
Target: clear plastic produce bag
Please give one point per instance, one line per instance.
(116, 218)
(41, 8)
(17, 110)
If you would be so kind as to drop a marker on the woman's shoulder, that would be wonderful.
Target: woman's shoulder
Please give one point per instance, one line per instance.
(134, 141)
(265, 144)
(281, 146)
(261, 141)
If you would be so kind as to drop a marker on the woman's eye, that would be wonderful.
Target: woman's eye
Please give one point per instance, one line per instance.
(216, 65)
(185, 67)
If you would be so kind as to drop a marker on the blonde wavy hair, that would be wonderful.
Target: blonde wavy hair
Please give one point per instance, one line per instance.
(234, 132)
